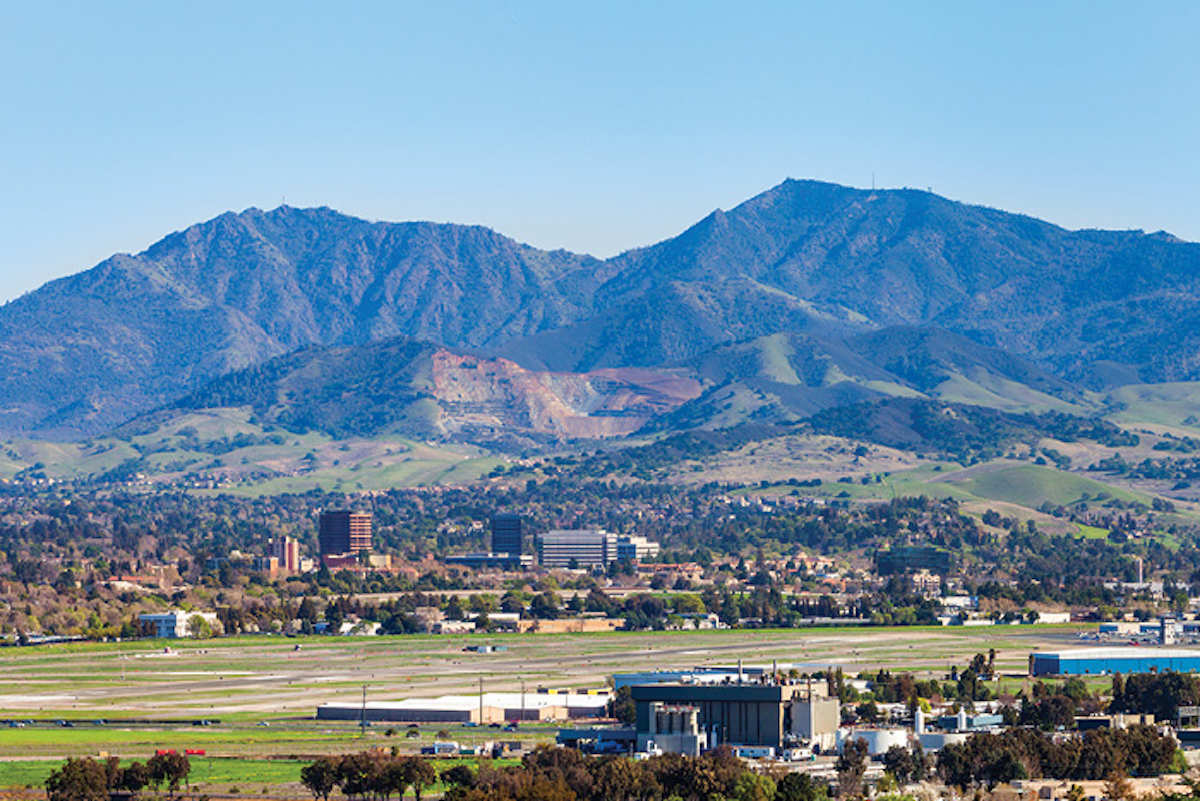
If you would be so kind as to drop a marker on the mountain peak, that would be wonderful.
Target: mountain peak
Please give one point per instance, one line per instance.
(805, 258)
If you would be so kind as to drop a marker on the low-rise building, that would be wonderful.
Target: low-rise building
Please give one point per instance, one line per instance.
(491, 561)
(170, 625)
(488, 708)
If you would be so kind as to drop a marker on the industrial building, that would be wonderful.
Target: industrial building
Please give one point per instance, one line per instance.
(591, 548)
(344, 532)
(1098, 661)
(690, 717)
(483, 709)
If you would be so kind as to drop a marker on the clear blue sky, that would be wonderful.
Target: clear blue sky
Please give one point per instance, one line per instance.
(591, 126)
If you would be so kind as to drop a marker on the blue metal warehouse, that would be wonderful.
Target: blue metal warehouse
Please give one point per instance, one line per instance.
(1096, 661)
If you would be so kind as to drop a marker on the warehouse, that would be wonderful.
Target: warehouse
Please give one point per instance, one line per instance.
(1097, 661)
(492, 708)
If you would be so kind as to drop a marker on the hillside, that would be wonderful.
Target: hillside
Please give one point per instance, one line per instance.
(786, 377)
(413, 389)
(806, 261)
(825, 259)
(87, 352)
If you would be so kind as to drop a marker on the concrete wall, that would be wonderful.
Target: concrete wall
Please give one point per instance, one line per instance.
(816, 719)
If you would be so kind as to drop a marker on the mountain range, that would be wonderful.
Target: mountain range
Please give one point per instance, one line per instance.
(806, 297)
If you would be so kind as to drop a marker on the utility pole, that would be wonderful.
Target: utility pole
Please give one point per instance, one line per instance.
(481, 699)
(362, 731)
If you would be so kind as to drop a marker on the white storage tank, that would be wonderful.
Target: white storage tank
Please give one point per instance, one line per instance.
(878, 740)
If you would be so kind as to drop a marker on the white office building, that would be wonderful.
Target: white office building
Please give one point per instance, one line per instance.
(591, 547)
(178, 623)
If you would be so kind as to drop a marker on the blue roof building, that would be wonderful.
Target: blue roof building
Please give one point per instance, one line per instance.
(1101, 661)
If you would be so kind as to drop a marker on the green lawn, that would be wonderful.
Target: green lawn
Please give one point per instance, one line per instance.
(1092, 532)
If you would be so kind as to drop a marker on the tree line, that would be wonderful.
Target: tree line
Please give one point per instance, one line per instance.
(989, 759)
(561, 774)
(87, 779)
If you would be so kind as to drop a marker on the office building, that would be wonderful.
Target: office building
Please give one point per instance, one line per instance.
(172, 625)
(506, 534)
(591, 548)
(635, 549)
(581, 548)
(344, 532)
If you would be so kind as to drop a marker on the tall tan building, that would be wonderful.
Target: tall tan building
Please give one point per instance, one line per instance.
(287, 551)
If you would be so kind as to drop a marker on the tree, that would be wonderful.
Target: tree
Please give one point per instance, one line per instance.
(170, 768)
(1117, 787)
(1158, 694)
(357, 774)
(133, 778)
(800, 787)
(851, 766)
(198, 627)
(622, 707)
(623, 778)
(458, 776)
(907, 766)
(78, 780)
(393, 778)
(320, 777)
(420, 774)
(545, 606)
(754, 787)
(868, 712)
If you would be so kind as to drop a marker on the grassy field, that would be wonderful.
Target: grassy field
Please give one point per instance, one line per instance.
(1167, 406)
(999, 393)
(1092, 532)
(1031, 486)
